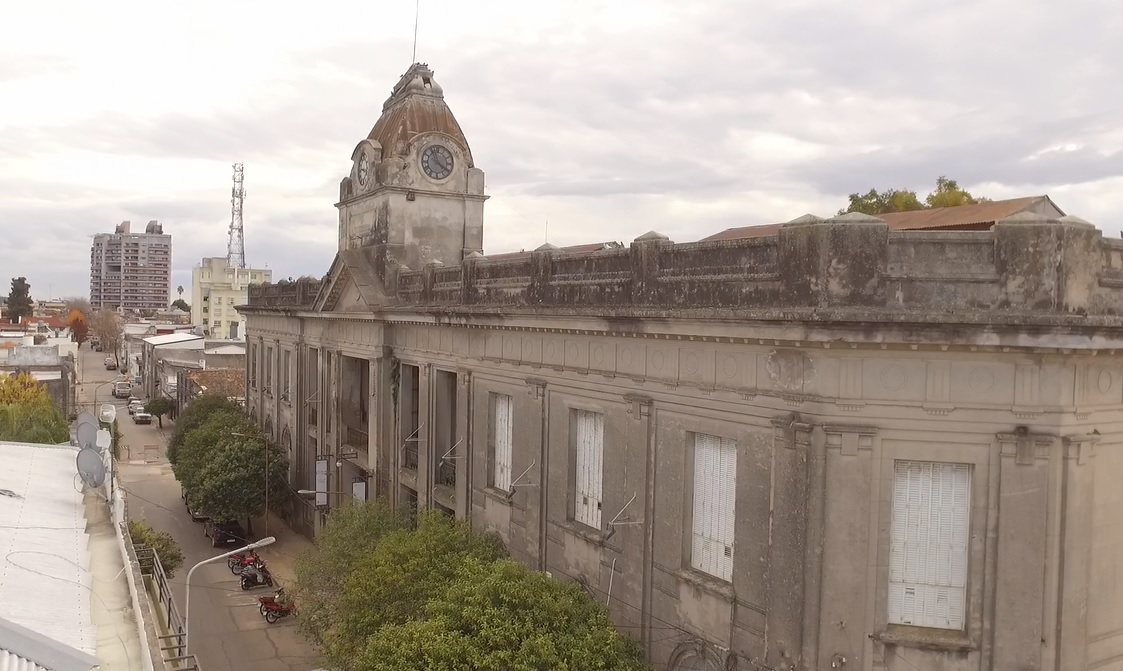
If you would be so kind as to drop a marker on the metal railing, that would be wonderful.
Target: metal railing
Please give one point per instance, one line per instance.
(409, 455)
(358, 438)
(446, 473)
(172, 643)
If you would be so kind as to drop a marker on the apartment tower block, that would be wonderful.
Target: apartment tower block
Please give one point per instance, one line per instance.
(131, 271)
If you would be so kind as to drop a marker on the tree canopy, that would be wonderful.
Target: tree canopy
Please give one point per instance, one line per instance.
(158, 407)
(28, 414)
(22, 388)
(351, 533)
(225, 463)
(502, 615)
(181, 304)
(109, 327)
(947, 193)
(171, 557)
(20, 305)
(79, 326)
(376, 595)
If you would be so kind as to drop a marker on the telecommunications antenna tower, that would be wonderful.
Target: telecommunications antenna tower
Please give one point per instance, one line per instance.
(236, 249)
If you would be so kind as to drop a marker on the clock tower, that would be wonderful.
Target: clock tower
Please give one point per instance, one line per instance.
(414, 191)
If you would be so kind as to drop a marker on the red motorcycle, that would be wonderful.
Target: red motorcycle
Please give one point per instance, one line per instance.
(276, 606)
(239, 561)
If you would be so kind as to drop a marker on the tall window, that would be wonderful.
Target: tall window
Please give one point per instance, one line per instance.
(286, 374)
(928, 544)
(253, 365)
(502, 433)
(269, 369)
(715, 499)
(589, 468)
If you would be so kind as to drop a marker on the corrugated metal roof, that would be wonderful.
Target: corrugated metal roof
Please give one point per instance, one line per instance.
(45, 579)
(22, 649)
(982, 215)
(171, 338)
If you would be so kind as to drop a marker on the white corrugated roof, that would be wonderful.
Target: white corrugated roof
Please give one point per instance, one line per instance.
(45, 579)
(169, 338)
(226, 349)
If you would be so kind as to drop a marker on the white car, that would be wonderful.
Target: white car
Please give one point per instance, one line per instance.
(135, 407)
(142, 417)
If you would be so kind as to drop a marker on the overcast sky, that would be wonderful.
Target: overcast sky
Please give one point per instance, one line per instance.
(608, 118)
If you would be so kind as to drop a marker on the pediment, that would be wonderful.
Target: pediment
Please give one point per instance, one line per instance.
(349, 287)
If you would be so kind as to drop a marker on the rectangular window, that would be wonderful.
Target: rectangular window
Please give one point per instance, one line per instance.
(269, 369)
(589, 468)
(502, 433)
(253, 366)
(715, 500)
(286, 375)
(928, 540)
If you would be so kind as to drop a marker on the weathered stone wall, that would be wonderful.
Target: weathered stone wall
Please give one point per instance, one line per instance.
(1027, 267)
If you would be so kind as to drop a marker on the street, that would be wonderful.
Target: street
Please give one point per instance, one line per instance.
(226, 629)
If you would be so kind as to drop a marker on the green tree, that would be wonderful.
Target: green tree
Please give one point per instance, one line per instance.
(20, 305)
(352, 532)
(502, 615)
(171, 557)
(198, 445)
(37, 421)
(158, 407)
(195, 415)
(232, 483)
(181, 304)
(395, 583)
(946, 194)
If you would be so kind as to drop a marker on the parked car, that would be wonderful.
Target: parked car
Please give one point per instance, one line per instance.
(135, 407)
(123, 389)
(229, 532)
(196, 516)
(110, 363)
(142, 417)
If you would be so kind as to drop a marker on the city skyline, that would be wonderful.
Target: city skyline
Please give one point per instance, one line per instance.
(606, 120)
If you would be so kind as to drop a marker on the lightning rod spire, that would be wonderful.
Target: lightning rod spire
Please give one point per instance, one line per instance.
(416, 19)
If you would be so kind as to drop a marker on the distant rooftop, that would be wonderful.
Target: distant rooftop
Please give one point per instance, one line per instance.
(965, 217)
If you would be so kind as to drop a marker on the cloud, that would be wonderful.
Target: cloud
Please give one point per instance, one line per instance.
(608, 119)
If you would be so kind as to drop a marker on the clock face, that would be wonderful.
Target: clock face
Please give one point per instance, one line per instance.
(436, 161)
(364, 169)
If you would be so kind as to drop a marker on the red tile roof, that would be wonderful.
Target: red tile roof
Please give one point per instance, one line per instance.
(965, 217)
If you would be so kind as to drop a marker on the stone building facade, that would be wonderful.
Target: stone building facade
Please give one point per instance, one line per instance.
(840, 444)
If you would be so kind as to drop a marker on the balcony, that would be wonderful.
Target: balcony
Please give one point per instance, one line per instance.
(357, 438)
(409, 455)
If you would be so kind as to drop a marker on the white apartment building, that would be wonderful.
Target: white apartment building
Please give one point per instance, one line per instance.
(216, 288)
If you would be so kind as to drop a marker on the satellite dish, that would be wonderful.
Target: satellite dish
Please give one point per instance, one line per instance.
(90, 467)
(87, 417)
(87, 434)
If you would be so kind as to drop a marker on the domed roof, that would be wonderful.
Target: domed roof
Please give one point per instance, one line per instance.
(416, 105)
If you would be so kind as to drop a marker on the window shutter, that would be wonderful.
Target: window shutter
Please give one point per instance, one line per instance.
(502, 442)
(589, 464)
(929, 534)
(715, 499)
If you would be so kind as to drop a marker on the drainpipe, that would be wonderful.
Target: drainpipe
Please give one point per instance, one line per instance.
(813, 551)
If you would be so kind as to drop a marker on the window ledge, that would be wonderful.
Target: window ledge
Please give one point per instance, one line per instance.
(582, 531)
(496, 494)
(926, 638)
(706, 582)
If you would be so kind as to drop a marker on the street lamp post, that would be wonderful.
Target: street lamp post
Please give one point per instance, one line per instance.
(269, 540)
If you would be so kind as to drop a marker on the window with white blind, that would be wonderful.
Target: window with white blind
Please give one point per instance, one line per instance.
(928, 540)
(502, 432)
(589, 468)
(715, 500)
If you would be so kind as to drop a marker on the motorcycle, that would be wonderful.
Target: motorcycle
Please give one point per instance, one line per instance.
(276, 606)
(256, 575)
(239, 561)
